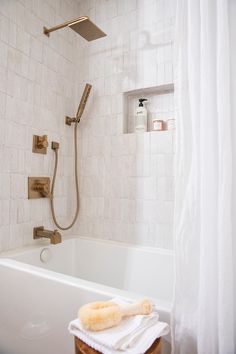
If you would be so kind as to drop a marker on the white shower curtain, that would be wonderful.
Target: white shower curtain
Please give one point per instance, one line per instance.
(202, 316)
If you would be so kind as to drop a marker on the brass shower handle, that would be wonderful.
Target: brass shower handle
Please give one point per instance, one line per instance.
(39, 187)
(42, 142)
(42, 188)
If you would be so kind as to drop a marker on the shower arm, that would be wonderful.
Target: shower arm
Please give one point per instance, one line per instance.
(47, 31)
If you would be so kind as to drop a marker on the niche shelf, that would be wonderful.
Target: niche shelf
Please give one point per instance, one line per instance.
(160, 105)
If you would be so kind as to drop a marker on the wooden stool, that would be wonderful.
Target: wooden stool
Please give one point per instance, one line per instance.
(82, 348)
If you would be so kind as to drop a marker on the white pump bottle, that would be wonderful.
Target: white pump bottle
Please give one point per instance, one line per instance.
(141, 117)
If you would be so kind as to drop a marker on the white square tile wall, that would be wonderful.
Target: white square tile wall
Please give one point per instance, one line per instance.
(127, 180)
(37, 89)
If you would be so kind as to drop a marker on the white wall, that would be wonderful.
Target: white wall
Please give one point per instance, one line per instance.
(126, 180)
(37, 88)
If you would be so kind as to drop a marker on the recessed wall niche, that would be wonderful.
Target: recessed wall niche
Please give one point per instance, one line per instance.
(160, 105)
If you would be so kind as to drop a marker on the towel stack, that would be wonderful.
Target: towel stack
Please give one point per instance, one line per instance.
(134, 335)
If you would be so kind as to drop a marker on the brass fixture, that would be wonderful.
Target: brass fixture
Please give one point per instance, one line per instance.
(81, 107)
(55, 147)
(83, 101)
(40, 144)
(54, 236)
(38, 187)
(69, 120)
(82, 25)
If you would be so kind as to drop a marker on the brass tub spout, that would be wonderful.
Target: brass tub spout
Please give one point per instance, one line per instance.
(54, 236)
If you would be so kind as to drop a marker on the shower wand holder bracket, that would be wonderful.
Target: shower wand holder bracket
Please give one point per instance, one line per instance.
(69, 120)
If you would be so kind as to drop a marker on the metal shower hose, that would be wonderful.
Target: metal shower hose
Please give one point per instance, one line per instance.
(76, 184)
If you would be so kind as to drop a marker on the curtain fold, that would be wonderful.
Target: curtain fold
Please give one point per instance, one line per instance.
(202, 316)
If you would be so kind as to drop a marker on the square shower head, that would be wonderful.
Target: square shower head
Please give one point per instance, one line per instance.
(87, 29)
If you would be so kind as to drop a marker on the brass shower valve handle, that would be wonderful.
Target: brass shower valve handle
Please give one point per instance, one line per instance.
(42, 188)
(40, 144)
(38, 187)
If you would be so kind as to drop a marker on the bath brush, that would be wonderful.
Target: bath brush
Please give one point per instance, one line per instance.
(97, 316)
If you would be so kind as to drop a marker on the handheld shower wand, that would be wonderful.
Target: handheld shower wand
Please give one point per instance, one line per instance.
(82, 104)
(83, 101)
(55, 147)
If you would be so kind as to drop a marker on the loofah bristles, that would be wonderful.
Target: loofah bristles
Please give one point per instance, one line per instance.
(97, 316)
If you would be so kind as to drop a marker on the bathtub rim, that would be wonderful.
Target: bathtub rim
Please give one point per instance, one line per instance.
(46, 243)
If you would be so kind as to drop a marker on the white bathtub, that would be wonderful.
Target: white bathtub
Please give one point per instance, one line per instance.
(38, 300)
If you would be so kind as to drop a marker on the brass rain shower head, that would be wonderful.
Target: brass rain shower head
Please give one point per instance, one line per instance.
(82, 25)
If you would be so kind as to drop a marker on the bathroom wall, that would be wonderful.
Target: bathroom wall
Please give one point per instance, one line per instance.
(126, 180)
(37, 88)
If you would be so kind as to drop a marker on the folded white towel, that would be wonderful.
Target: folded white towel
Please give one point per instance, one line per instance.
(133, 335)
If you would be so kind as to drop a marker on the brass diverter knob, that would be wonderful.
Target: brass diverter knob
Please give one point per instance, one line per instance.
(42, 188)
(38, 187)
(40, 144)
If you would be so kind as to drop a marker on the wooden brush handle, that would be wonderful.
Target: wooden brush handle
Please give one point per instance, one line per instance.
(143, 307)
